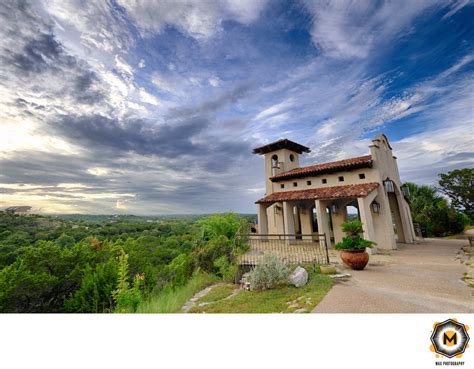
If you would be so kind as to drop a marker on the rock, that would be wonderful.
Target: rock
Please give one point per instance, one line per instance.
(244, 284)
(343, 275)
(299, 277)
(302, 310)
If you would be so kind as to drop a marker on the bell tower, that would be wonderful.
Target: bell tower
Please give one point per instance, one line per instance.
(280, 156)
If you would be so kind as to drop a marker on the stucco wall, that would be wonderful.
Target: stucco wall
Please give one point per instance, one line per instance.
(379, 225)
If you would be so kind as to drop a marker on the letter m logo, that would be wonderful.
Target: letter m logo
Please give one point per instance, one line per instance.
(453, 340)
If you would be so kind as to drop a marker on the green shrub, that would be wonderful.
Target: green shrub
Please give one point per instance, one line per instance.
(226, 270)
(353, 240)
(211, 251)
(95, 293)
(269, 273)
(127, 298)
(181, 268)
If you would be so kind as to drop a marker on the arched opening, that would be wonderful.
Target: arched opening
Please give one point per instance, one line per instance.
(275, 161)
(352, 211)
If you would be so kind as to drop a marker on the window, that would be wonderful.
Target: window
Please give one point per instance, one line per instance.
(292, 157)
(282, 186)
(341, 179)
(308, 183)
(324, 181)
(295, 184)
(361, 175)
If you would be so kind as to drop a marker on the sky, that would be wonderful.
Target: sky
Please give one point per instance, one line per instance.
(153, 107)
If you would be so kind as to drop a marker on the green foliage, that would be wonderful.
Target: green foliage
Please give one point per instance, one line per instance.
(350, 243)
(181, 268)
(458, 185)
(211, 251)
(269, 273)
(65, 241)
(107, 263)
(226, 270)
(95, 292)
(433, 212)
(352, 228)
(126, 297)
(215, 226)
(353, 240)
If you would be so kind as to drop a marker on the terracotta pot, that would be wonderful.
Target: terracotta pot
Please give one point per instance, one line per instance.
(355, 259)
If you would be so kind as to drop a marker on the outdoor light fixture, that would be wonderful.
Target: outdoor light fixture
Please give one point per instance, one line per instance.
(334, 208)
(405, 191)
(388, 184)
(375, 207)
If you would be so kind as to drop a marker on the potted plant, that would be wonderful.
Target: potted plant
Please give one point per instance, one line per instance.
(353, 246)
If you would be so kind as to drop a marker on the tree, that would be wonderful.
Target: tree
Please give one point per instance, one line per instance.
(65, 241)
(433, 212)
(458, 185)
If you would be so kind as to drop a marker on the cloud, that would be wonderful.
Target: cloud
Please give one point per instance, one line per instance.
(98, 24)
(344, 29)
(455, 7)
(198, 19)
(275, 109)
(148, 98)
(108, 107)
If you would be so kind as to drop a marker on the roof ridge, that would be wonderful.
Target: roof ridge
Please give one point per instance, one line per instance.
(333, 166)
(331, 162)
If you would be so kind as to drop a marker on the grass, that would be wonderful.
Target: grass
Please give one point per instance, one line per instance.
(285, 299)
(219, 292)
(171, 300)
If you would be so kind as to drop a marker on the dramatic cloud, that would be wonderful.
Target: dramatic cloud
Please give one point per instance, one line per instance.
(199, 19)
(153, 107)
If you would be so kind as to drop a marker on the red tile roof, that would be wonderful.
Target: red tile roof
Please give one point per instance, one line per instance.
(335, 166)
(324, 193)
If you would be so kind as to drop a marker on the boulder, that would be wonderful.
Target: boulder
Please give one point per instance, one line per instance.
(299, 277)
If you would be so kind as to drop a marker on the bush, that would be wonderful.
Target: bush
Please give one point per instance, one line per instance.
(181, 269)
(353, 240)
(269, 273)
(226, 270)
(127, 298)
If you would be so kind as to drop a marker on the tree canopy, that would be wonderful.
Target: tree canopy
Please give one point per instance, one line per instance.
(458, 185)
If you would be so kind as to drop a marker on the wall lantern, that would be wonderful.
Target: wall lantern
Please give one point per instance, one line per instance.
(405, 190)
(375, 207)
(334, 208)
(388, 184)
(278, 209)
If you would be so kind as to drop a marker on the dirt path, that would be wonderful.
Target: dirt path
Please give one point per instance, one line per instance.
(421, 278)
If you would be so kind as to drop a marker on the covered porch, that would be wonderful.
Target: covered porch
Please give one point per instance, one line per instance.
(301, 214)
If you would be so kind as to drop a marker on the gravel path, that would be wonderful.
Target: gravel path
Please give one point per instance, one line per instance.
(421, 278)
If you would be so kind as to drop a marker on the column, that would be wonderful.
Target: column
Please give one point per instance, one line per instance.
(288, 219)
(262, 219)
(366, 218)
(323, 221)
(337, 219)
(306, 216)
